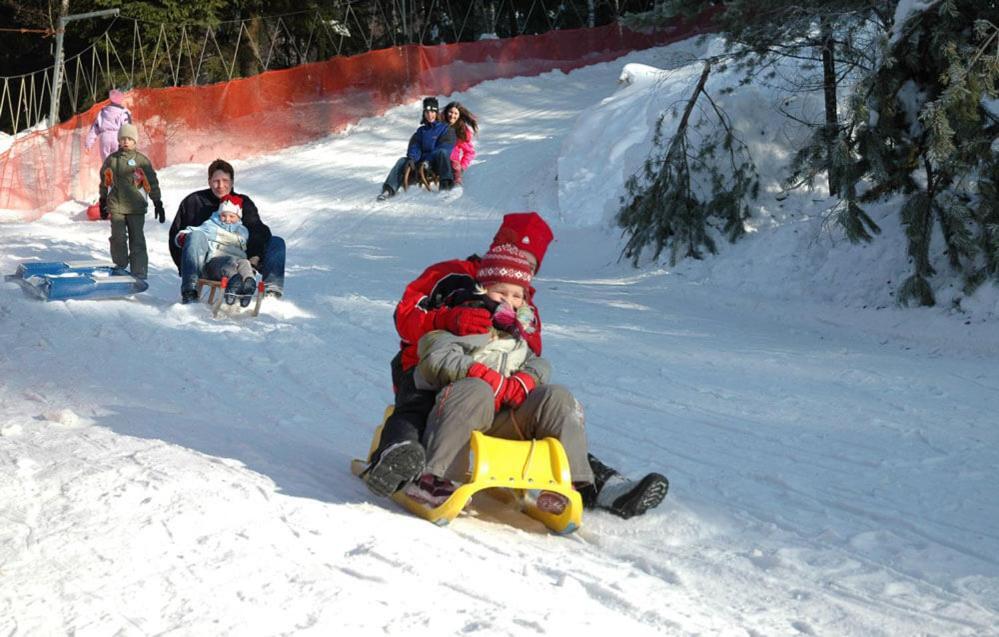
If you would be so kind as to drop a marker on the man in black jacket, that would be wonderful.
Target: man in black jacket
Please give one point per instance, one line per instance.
(265, 251)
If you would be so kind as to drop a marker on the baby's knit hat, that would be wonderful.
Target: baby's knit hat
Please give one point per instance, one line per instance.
(231, 203)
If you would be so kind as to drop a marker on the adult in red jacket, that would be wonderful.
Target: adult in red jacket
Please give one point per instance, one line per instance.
(435, 300)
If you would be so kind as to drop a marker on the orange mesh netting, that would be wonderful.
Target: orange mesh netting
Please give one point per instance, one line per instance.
(277, 109)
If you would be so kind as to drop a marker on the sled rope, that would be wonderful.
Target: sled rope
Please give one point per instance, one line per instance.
(530, 456)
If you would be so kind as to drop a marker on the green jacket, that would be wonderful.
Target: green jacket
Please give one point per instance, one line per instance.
(127, 193)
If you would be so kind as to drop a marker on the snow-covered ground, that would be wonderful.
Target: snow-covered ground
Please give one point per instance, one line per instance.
(832, 457)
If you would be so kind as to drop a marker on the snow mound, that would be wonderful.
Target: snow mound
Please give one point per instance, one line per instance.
(66, 417)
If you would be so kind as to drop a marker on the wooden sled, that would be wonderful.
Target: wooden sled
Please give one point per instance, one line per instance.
(521, 467)
(219, 287)
(426, 178)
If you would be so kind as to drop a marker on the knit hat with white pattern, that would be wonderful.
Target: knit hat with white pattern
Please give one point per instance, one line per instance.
(231, 203)
(505, 263)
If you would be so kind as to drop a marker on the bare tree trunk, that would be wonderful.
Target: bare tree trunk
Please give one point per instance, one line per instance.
(251, 47)
(829, 90)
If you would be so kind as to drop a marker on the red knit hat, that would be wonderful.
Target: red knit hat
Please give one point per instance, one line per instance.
(231, 203)
(505, 264)
(527, 231)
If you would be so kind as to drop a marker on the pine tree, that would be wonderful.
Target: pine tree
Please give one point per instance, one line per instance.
(919, 127)
(830, 41)
(690, 188)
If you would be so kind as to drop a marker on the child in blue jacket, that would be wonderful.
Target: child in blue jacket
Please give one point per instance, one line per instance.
(217, 249)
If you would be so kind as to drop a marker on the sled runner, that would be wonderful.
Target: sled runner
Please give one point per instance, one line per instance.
(426, 178)
(63, 280)
(513, 469)
(219, 287)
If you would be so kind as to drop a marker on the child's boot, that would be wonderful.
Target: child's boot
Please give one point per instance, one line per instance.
(395, 466)
(232, 288)
(430, 490)
(246, 291)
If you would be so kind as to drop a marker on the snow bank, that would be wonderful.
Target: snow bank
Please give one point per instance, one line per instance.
(794, 251)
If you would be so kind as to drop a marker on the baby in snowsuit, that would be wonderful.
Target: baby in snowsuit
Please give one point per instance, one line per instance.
(494, 383)
(220, 244)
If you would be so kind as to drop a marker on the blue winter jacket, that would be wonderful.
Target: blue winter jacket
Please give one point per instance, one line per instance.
(225, 239)
(429, 138)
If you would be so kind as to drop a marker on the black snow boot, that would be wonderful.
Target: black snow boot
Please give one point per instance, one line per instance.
(246, 291)
(601, 472)
(628, 498)
(395, 467)
(232, 288)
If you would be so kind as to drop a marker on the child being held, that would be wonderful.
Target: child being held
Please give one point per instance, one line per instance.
(221, 243)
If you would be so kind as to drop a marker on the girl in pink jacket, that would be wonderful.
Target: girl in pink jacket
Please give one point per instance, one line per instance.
(465, 126)
(108, 122)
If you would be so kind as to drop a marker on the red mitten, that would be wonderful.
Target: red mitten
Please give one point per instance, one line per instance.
(516, 389)
(491, 377)
(462, 321)
(180, 239)
(139, 177)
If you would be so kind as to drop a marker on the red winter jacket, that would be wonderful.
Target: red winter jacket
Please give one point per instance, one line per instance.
(424, 297)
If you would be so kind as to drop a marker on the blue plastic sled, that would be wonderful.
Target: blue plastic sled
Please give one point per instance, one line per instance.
(63, 280)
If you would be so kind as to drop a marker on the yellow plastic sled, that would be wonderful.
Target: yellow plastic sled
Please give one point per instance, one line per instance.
(525, 467)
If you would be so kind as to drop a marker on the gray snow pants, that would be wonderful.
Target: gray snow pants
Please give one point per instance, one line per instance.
(128, 243)
(467, 405)
(226, 266)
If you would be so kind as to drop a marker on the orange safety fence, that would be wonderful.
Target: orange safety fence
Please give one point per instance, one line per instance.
(277, 109)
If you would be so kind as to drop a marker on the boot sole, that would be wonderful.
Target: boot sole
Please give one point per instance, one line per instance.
(394, 469)
(648, 494)
(246, 292)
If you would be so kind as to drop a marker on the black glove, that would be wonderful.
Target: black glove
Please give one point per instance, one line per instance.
(158, 210)
(470, 297)
(104, 208)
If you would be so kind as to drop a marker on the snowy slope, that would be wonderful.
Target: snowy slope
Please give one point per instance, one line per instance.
(832, 466)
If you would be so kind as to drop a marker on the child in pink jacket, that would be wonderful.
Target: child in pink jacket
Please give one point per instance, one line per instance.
(465, 126)
(108, 123)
